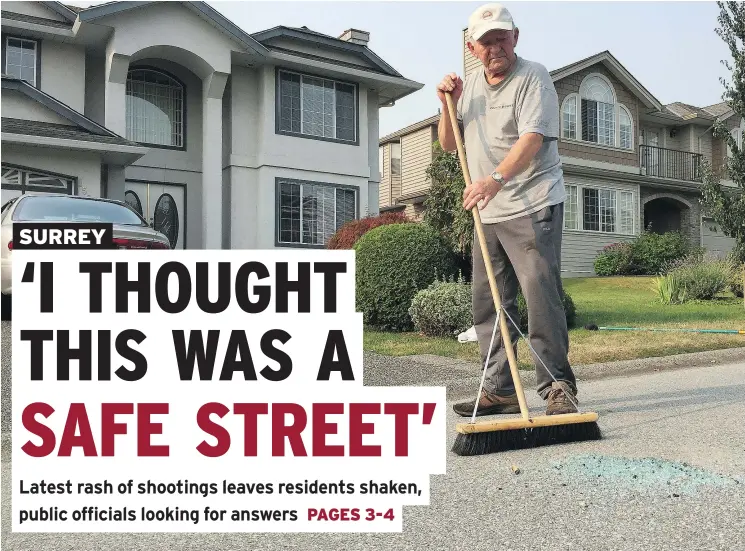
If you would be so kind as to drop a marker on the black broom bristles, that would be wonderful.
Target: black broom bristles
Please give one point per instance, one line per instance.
(481, 443)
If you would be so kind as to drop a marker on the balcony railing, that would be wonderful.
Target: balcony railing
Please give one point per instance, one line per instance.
(670, 163)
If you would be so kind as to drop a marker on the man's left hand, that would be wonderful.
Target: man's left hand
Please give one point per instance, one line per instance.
(480, 192)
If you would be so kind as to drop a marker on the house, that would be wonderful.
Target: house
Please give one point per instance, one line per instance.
(629, 162)
(220, 138)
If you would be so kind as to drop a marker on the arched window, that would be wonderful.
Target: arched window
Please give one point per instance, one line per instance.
(597, 88)
(569, 117)
(594, 115)
(626, 129)
(155, 108)
(597, 110)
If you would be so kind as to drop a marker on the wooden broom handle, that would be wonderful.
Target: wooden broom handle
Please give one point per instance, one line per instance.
(506, 340)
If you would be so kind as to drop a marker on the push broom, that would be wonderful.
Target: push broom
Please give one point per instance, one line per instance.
(517, 433)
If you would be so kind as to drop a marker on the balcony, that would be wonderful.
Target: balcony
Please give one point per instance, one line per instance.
(670, 163)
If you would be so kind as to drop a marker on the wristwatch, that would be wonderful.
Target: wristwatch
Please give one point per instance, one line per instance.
(497, 177)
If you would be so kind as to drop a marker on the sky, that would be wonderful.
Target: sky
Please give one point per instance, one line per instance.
(670, 47)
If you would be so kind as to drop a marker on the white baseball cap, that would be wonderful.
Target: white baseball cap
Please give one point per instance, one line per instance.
(488, 18)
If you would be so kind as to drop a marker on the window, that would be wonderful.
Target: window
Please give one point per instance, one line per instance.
(570, 209)
(599, 210)
(24, 180)
(594, 115)
(591, 210)
(21, 59)
(310, 212)
(155, 108)
(625, 128)
(396, 159)
(569, 116)
(317, 107)
(626, 210)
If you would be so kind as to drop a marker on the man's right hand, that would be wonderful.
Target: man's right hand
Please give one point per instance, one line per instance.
(451, 83)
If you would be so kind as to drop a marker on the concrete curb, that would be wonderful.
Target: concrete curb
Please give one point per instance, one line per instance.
(468, 384)
(676, 361)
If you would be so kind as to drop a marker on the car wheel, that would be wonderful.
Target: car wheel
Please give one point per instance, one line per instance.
(7, 307)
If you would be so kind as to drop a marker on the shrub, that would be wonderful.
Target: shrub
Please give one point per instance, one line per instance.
(738, 272)
(735, 284)
(570, 310)
(443, 309)
(347, 235)
(696, 277)
(651, 253)
(395, 261)
(614, 259)
(647, 254)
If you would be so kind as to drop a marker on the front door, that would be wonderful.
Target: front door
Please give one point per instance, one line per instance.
(162, 205)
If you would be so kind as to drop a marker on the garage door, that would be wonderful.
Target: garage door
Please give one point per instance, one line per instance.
(715, 241)
(19, 180)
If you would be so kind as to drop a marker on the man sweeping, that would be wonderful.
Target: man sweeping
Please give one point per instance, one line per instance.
(509, 112)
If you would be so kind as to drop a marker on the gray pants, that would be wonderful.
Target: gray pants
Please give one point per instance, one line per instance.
(525, 250)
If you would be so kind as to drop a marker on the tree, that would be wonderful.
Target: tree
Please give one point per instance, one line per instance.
(726, 205)
(444, 204)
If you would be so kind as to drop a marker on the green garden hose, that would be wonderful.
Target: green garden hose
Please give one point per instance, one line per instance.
(593, 327)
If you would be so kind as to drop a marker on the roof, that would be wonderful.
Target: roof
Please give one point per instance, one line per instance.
(61, 131)
(680, 110)
(721, 109)
(306, 35)
(36, 20)
(411, 128)
(85, 126)
(384, 79)
(615, 67)
(201, 8)
(686, 111)
(65, 11)
(676, 110)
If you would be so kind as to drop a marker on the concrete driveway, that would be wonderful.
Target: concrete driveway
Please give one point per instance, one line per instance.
(668, 475)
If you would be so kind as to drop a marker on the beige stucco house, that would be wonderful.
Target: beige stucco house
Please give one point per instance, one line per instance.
(629, 161)
(227, 139)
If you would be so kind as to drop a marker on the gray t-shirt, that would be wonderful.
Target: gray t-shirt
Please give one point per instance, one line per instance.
(494, 117)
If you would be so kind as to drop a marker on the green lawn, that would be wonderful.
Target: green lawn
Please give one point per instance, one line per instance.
(613, 301)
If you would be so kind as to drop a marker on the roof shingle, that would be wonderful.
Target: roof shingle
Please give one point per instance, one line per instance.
(54, 130)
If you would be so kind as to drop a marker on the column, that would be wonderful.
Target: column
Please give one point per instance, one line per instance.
(212, 196)
(115, 183)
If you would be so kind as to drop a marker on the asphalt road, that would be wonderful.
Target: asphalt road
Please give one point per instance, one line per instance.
(669, 474)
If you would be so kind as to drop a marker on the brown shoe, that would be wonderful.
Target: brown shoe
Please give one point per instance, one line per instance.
(558, 400)
(489, 404)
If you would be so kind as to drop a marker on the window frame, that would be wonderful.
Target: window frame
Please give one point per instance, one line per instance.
(618, 107)
(580, 213)
(397, 157)
(37, 56)
(278, 106)
(184, 108)
(278, 181)
(23, 186)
